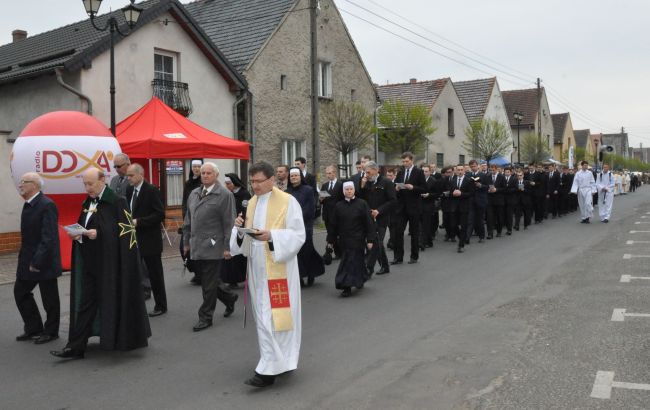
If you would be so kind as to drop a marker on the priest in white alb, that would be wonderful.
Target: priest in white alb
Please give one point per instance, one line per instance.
(270, 235)
(605, 183)
(584, 186)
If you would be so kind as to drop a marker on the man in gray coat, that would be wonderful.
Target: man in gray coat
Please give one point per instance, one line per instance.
(208, 223)
(119, 183)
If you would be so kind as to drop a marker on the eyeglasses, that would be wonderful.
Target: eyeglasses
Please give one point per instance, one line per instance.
(25, 181)
(118, 166)
(254, 182)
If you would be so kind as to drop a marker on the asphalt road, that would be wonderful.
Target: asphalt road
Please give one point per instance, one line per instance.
(521, 322)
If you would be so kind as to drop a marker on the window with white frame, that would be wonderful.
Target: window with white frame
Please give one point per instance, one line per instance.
(292, 149)
(325, 79)
(164, 66)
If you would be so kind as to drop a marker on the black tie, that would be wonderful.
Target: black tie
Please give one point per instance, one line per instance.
(135, 196)
(459, 183)
(408, 174)
(204, 192)
(331, 185)
(494, 179)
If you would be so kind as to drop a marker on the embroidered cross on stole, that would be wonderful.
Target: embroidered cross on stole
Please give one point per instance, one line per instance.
(276, 273)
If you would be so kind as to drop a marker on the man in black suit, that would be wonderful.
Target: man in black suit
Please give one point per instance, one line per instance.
(379, 193)
(553, 191)
(410, 184)
(479, 202)
(310, 180)
(39, 262)
(334, 187)
(539, 193)
(428, 209)
(510, 199)
(445, 201)
(356, 178)
(461, 190)
(565, 189)
(496, 203)
(148, 213)
(523, 203)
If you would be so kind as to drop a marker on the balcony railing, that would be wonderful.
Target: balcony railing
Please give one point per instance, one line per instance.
(174, 94)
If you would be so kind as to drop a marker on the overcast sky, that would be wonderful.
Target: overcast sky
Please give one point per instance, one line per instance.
(591, 55)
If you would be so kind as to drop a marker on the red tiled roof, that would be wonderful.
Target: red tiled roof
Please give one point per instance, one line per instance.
(524, 101)
(423, 92)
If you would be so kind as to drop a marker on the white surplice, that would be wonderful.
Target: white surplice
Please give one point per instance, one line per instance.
(279, 351)
(605, 184)
(584, 186)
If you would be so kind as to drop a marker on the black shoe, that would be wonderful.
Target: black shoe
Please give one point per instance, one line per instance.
(422, 248)
(481, 240)
(587, 221)
(383, 271)
(396, 262)
(489, 236)
(509, 233)
(302, 283)
(233, 285)
(461, 250)
(68, 353)
(28, 336)
(498, 234)
(516, 228)
(230, 307)
(310, 281)
(346, 292)
(605, 221)
(260, 380)
(412, 261)
(45, 338)
(157, 312)
(428, 245)
(147, 294)
(525, 227)
(201, 325)
(196, 281)
(466, 241)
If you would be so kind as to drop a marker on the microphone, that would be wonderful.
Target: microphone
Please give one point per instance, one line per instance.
(244, 204)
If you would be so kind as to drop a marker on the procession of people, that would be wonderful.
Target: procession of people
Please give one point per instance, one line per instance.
(264, 239)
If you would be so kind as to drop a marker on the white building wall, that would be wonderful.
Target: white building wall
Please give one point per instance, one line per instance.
(134, 71)
(440, 141)
(496, 110)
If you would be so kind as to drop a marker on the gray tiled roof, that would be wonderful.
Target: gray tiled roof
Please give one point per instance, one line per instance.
(76, 45)
(239, 28)
(559, 124)
(581, 137)
(524, 101)
(475, 95)
(423, 92)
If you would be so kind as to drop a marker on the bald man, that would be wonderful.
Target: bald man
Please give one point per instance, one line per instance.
(105, 296)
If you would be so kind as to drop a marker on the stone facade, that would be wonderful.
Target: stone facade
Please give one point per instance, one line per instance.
(285, 114)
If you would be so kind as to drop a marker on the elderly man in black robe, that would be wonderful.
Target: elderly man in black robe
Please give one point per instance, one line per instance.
(352, 226)
(105, 292)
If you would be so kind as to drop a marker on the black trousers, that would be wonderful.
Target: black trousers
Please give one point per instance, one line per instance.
(378, 251)
(509, 212)
(446, 222)
(539, 203)
(435, 222)
(476, 221)
(524, 210)
(29, 310)
(553, 204)
(213, 288)
(82, 327)
(459, 221)
(426, 227)
(157, 279)
(495, 217)
(413, 220)
(563, 203)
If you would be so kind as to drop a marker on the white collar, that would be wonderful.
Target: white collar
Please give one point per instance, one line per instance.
(139, 187)
(29, 201)
(209, 189)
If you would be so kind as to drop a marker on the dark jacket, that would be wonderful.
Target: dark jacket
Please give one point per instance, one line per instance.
(566, 180)
(497, 198)
(553, 183)
(149, 211)
(351, 225)
(480, 193)
(39, 240)
(336, 194)
(241, 196)
(510, 189)
(463, 202)
(410, 201)
(523, 198)
(305, 197)
(380, 196)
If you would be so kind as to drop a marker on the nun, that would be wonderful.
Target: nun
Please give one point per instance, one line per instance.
(233, 270)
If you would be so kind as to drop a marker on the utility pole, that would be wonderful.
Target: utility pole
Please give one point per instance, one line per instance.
(315, 137)
(539, 112)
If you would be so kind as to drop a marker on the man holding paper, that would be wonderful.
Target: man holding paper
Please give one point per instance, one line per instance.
(273, 275)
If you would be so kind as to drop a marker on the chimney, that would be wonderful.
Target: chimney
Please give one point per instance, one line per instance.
(19, 35)
(413, 80)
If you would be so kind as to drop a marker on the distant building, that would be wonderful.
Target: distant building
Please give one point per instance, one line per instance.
(562, 135)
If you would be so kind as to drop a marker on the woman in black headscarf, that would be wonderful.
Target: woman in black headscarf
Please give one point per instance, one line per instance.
(310, 263)
(234, 269)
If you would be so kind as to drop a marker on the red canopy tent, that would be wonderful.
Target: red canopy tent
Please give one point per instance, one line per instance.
(157, 131)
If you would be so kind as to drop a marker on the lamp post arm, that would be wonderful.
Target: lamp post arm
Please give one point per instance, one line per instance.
(106, 25)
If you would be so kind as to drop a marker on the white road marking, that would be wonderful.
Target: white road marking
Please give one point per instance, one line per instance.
(605, 382)
(629, 278)
(645, 216)
(639, 231)
(619, 315)
(639, 222)
(633, 242)
(630, 256)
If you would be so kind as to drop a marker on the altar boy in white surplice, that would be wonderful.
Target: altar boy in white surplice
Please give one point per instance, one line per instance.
(584, 186)
(273, 277)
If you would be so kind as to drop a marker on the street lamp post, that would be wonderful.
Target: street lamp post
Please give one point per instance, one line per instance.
(518, 117)
(131, 15)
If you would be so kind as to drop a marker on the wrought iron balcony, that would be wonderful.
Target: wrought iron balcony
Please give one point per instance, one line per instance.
(174, 94)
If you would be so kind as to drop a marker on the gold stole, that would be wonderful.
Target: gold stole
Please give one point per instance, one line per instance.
(276, 273)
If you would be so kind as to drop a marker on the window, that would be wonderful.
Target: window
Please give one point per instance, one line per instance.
(352, 159)
(163, 66)
(291, 150)
(461, 159)
(440, 160)
(325, 79)
(353, 95)
(450, 122)
(174, 182)
(283, 82)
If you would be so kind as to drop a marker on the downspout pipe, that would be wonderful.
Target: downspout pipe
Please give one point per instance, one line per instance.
(59, 79)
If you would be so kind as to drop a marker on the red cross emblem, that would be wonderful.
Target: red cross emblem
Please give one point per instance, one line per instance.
(279, 293)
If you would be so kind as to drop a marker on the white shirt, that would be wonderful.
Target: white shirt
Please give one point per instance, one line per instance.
(93, 206)
(29, 201)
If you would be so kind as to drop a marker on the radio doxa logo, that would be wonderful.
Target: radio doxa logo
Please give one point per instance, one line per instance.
(68, 163)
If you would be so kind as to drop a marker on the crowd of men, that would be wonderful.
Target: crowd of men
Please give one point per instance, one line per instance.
(265, 240)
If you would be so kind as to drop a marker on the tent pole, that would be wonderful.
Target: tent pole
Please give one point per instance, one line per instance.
(151, 173)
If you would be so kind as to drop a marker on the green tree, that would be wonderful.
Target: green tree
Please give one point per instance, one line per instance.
(404, 127)
(487, 139)
(346, 127)
(533, 150)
